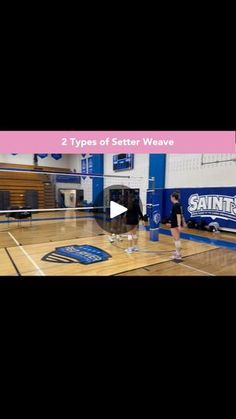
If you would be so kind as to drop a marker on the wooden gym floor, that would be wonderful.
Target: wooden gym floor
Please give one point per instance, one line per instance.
(22, 248)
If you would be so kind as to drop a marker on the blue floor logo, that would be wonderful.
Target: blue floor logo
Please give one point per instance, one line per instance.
(84, 254)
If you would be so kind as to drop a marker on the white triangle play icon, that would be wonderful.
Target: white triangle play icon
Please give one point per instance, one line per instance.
(116, 209)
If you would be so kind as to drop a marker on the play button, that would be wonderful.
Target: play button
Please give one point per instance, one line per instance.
(112, 208)
(116, 209)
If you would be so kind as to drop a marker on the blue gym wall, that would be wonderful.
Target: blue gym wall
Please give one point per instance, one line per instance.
(185, 194)
(98, 183)
(157, 169)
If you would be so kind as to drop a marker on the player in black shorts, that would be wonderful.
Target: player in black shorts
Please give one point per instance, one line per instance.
(132, 217)
(117, 224)
(177, 222)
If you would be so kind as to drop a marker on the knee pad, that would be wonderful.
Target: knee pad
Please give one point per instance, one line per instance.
(129, 236)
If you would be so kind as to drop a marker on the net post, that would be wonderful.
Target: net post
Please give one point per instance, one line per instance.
(154, 212)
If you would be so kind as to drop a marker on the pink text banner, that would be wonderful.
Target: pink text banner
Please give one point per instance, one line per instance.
(117, 142)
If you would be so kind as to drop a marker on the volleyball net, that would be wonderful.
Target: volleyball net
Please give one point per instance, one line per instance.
(45, 191)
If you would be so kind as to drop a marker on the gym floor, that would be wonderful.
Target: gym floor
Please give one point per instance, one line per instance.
(23, 246)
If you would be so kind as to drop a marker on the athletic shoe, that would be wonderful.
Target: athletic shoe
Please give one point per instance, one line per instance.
(176, 257)
(129, 250)
(119, 238)
(112, 239)
(135, 249)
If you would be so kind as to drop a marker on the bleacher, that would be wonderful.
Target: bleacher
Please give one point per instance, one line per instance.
(17, 184)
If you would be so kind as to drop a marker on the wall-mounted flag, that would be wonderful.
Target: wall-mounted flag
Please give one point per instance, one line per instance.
(56, 156)
(42, 156)
(90, 165)
(83, 167)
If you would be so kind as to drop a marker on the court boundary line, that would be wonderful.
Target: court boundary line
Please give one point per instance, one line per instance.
(12, 261)
(47, 242)
(166, 261)
(145, 266)
(48, 268)
(166, 232)
(156, 263)
(201, 239)
(119, 273)
(27, 255)
(199, 270)
(141, 250)
(51, 267)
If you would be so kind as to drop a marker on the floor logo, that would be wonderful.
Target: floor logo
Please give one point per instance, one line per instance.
(85, 254)
(213, 206)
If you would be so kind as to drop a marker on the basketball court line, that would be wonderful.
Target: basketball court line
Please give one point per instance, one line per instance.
(144, 250)
(202, 239)
(163, 262)
(50, 268)
(198, 270)
(170, 260)
(101, 235)
(27, 255)
(184, 235)
(12, 261)
(52, 241)
(160, 263)
(36, 253)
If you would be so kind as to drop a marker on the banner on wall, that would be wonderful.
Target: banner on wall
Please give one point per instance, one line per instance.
(56, 156)
(90, 165)
(42, 156)
(83, 167)
(210, 204)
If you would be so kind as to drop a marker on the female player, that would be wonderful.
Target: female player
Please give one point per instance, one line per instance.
(177, 222)
(132, 217)
(116, 224)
